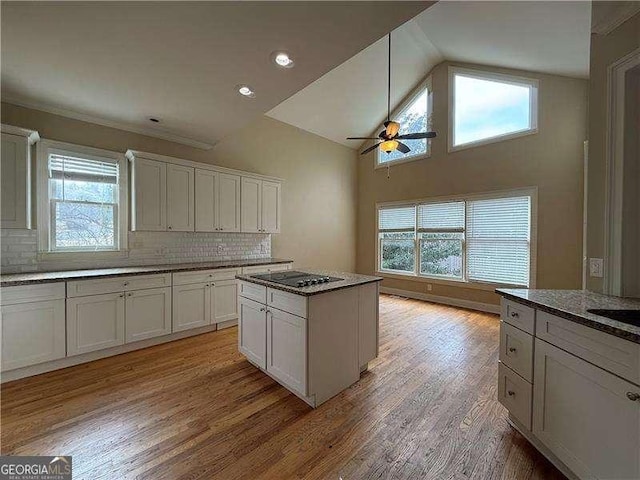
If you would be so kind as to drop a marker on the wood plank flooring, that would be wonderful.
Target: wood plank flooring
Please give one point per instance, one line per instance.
(195, 409)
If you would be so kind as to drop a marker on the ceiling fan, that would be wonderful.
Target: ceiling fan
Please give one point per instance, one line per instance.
(389, 140)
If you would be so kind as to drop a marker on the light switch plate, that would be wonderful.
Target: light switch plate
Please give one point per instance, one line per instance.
(596, 267)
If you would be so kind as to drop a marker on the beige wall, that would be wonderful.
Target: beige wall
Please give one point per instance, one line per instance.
(318, 195)
(552, 160)
(605, 50)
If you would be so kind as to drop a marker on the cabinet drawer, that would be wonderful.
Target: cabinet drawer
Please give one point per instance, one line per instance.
(32, 293)
(254, 292)
(518, 315)
(514, 392)
(516, 350)
(274, 267)
(599, 348)
(287, 302)
(200, 276)
(81, 288)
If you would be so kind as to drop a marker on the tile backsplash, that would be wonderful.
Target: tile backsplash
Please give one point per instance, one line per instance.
(19, 250)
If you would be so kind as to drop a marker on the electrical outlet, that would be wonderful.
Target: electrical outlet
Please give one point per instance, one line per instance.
(429, 287)
(263, 249)
(220, 248)
(596, 267)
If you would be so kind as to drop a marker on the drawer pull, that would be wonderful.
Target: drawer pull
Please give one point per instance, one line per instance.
(512, 349)
(511, 393)
(263, 309)
(126, 283)
(634, 397)
(515, 314)
(121, 295)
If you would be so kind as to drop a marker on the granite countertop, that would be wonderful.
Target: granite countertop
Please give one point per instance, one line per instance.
(14, 279)
(348, 280)
(573, 305)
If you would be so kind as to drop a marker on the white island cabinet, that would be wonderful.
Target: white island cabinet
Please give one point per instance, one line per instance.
(314, 345)
(572, 390)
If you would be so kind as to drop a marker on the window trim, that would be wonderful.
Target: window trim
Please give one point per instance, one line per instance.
(44, 202)
(534, 105)
(532, 192)
(413, 95)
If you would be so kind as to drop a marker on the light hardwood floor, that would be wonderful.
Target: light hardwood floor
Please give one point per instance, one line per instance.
(195, 409)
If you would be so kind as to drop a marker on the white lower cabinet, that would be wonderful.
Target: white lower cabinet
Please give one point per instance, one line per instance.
(148, 314)
(287, 349)
(586, 416)
(252, 331)
(191, 306)
(224, 301)
(95, 322)
(32, 333)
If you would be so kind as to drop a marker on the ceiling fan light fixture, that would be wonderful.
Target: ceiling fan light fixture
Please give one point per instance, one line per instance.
(392, 128)
(389, 146)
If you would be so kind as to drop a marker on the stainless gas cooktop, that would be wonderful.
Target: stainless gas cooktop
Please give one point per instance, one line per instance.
(293, 278)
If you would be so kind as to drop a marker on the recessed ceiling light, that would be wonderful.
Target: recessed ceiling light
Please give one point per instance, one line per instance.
(154, 120)
(282, 59)
(246, 91)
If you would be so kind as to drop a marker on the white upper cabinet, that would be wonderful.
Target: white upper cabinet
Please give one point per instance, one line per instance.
(149, 195)
(217, 201)
(260, 206)
(180, 198)
(15, 163)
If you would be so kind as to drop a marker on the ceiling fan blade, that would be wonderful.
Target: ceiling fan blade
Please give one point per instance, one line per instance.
(362, 138)
(373, 147)
(403, 148)
(416, 136)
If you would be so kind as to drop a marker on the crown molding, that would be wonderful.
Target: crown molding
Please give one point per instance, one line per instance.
(614, 19)
(127, 127)
(31, 135)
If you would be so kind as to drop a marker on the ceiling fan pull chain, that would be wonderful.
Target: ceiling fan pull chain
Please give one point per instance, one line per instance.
(388, 171)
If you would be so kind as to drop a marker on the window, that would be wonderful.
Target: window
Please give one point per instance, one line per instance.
(479, 239)
(81, 207)
(490, 107)
(414, 116)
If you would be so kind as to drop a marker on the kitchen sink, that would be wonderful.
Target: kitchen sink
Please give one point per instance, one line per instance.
(630, 317)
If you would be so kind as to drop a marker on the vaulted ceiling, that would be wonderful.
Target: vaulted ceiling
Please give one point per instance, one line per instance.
(350, 100)
(120, 63)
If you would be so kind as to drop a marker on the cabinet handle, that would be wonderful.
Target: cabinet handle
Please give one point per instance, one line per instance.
(126, 283)
(634, 397)
(263, 309)
(515, 314)
(121, 296)
(130, 294)
(512, 349)
(511, 393)
(213, 284)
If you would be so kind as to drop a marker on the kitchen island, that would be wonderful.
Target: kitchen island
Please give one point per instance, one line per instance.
(314, 339)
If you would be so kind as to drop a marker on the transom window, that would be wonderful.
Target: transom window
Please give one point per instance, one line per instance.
(489, 107)
(414, 116)
(478, 239)
(83, 204)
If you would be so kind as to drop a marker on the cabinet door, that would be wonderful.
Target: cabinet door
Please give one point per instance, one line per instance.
(149, 196)
(148, 314)
(287, 349)
(191, 306)
(15, 191)
(95, 322)
(206, 200)
(252, 331)
(32, 333)
(225, 300)
(586, 416)
(251, 205)
(229, 202)
(180, 198)
(270, 207)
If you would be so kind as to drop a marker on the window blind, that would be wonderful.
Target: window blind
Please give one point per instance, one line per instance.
(401, 219)
(64, 166)
(441, 216)
(498, 234)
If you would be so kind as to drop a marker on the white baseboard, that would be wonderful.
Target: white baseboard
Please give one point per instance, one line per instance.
(454, 302)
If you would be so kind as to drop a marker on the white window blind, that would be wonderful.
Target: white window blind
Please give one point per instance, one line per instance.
(498, 240)
(64, 166)
(448, 217)
(401, 219)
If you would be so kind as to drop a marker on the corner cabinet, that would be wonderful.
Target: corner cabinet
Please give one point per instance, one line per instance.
(573, 391)
(261, 206)
(15, 175)
(170, 194)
